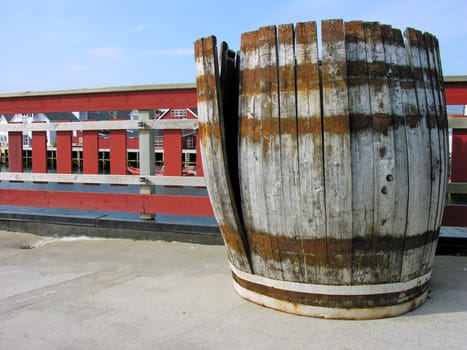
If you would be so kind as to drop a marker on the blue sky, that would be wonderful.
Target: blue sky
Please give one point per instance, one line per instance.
(68, 44)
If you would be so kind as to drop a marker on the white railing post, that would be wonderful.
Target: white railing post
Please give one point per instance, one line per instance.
(146, 157)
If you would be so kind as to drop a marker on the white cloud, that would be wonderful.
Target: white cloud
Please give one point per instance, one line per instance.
(172, 52)
(140, 27)
(106, 52)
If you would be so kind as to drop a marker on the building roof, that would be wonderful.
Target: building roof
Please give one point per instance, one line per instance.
(108, 115)
(100, 115)
(125, 114)
(455, 78)
(8, 117)
(62, 116)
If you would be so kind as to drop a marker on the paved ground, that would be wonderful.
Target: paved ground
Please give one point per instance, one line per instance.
(123, 294)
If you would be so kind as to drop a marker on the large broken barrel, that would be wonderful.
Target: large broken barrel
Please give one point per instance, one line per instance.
(326, 172)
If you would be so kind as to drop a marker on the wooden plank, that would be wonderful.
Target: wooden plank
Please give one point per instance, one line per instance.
(419, 154)
(267, 193)
(457, 122)
(120, 202)
(105, 179)
(249, 133)
(310, 146)
(146, 158)
(439, 110)
(15, 151)
(432, 119)
(396, 58)
(118, 152)
(101, 90)
(146, 147)
(457, 187)
(292, 262)
(248, 62)
(90, 152)
(212, 150)
(107, 99)
(229, 89)
(39, 152)
(104, 125)
(199, 159)
(361, 125)
(229, 125)
(337, 155)
(384, 268)
(64, 152)
(173, 152)
(442, 119)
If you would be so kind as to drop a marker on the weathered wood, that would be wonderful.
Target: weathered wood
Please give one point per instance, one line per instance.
(213, 152)
(268, 148)
(292, 261)
(249, 136)
(435, 160)
(337, 155)
(311, 211)
(147, 157)
(104, 201)
(396, 59)
(100, 99)
(104, 179)
(456, 122)
(383, 151)
(361, 124)
(439, 111)
(229, 89)
(419, 153)
(246, 106)
(104, 125)
(339, 169)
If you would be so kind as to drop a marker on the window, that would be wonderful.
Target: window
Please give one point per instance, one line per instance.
(190, 142)
(159, 141)
(178, 113)
(26, 140)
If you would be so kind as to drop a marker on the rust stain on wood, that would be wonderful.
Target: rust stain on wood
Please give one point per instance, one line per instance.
(256, 130)
(308, 78)
(209, 130)
(367, 251)
(337, 124)
(204, 85)
(232, 239)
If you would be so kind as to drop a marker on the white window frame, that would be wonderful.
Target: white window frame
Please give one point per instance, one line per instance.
(178, 113)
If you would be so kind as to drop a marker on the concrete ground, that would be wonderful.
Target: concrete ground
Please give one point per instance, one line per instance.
(124, 294)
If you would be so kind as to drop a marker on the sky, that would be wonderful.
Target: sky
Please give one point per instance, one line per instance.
(73, 44)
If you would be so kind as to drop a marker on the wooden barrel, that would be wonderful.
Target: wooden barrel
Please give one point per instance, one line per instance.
(327, 176)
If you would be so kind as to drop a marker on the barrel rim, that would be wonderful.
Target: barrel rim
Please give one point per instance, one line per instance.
(331, 312)
(327, 289)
